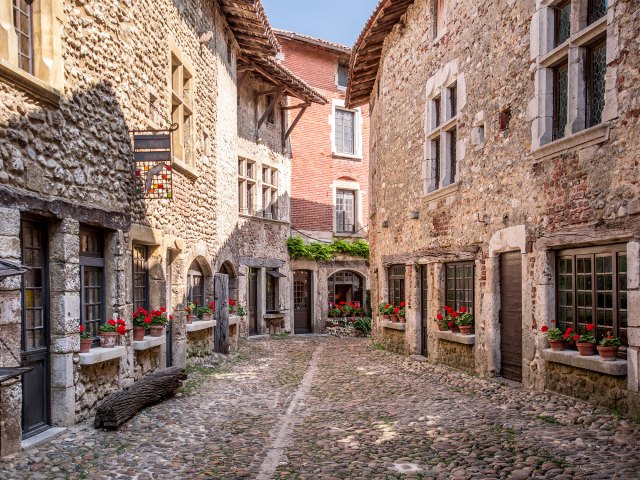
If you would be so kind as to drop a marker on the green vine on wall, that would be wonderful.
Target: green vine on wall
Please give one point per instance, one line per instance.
(326, 251)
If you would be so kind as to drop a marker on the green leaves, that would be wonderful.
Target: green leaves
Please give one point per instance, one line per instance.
(326, 251)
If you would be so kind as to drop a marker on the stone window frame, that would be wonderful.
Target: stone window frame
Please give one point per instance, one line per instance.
(270, 192)
(548, 56)
(247, 186)
(444, 150)
(47, 80)
(338, 104)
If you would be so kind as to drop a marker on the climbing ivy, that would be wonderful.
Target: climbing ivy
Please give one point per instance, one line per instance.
(326, 251)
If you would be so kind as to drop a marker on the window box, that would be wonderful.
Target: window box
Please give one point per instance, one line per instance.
(100, 355)
(149, 342)
(456, 337)
(394, 325)
(199, 325)
(572, 358)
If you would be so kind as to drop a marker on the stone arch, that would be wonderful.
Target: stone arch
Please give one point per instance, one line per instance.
(346, 285)
(198, 280)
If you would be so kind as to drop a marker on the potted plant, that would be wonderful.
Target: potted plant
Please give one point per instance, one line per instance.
(402, 312)
(608, 348)
(192, 310)
(569, 338)
(158, 321)
(554, 335)
(240, 311)
(464, 320)
(206, 313)
(85, 340)
(586, 343)
(109, 332)
(232, 305)
(141, 321)
(443, 323)
(394, 315)
(385, 310)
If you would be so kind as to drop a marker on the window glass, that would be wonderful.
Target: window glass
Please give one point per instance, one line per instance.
(345, 131)
(596, 71)
(345, 211)
(560, 100)
(343, 75)
(396, 285)
(563, 22)
(597, 10)
(459, 285)
(140, 277)
(23, 24)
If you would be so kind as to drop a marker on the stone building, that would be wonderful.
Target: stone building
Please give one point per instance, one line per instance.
(504, 146)
(87, 234)
(330, 183)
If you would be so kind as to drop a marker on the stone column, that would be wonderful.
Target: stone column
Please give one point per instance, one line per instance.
(633, 302)
(65, 318)
(261, 307)
(10, 324)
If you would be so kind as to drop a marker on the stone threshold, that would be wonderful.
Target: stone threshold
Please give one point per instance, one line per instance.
(149, 342)
(200, 325)
(100, 355)
(394, 325)
(572, 358)
(456, 337)
(48, 434)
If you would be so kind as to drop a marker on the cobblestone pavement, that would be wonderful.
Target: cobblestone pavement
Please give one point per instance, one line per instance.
(327, 408)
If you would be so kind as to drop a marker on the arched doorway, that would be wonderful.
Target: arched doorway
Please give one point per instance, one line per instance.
(346, 286)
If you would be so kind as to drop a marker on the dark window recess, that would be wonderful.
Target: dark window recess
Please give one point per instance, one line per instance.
(195, 284)
(271, 118)
(459, 285)
(23, 24)
(396, 284)
(560, 100)
(595, 74)
(436, 106)
(591, 287)
(596, 10)
(140, 277)
(436, 147)
(345, 211)
(271, 290)
(562, 22)
(343, 75)
(34, 292)
(92, 291)
(505, 119)
(345, 131)
(452, 153)
(453, 99)
(345, 286)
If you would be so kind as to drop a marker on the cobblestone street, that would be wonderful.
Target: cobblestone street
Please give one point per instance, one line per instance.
(325, 408)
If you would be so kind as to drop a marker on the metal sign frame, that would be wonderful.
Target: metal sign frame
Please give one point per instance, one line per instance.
(152, 163)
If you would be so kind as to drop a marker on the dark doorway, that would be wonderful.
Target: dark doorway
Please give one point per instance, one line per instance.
(35, 329)
(511, 316)
(424, 308)
(252, 301)
(302, 301)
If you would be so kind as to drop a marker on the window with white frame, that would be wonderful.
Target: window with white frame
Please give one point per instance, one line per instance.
(246, 186)
(572, 66)
(270, 192)
(347, 131)
(345, 210)
(442, 111)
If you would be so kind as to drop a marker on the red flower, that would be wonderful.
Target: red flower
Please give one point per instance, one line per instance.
(463, 309)
(147, 320)
(402, 304)
(112, 322)
(450, 324)
(544, 329)
(576, 338)
(386, 306)
(121, 330)
(343, 303)
(81, 328)
(188, 309)
(396, 310)
(170, 317)
(553, 321)
(454, 314)
(439, 317)
(162, 309)
(212, 305)
(121, 322)
(590, 327)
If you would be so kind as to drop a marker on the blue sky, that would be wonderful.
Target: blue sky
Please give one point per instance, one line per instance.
(338, 21)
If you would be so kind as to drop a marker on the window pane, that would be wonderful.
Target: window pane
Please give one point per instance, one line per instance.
(140, 277)
(459, 286)
(343, 75)
(596, 83)
(344, 131)
(597, 9)
(563, 22)
(560, 100)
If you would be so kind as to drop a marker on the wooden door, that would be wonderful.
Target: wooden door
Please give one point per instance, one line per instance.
(252, 301)
(424, 308)
(35, 330)
(302, 301)
(511, 315)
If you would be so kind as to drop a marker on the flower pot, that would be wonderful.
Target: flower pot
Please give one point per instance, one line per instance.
(442, 328)
(138, 333)
(586, 349)
(156, 330)
(394, 318)
(190, 318)
(207, 317)
(466, 329)
(108, 339)
(455, 329)
(85, 344)
(402, 319)
(608, 354)
(386, 317)
(557, 345)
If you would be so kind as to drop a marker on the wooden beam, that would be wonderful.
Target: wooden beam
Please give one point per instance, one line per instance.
(294, 107)
(272, 105)
(303, 107)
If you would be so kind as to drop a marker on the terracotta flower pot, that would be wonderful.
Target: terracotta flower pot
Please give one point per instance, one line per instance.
(466, 329)
(138, 333)
(190, 318)
(442, 328)
(557, 345)
(108, 339)
(85, 344)
(455, 329)
(386, 317)
(586, 349)
(394, 318)
(206, 317)
(608, 354)
(402, 319)
(156, 330)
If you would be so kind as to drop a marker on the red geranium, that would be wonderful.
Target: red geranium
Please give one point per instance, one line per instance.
(454, 314)
(121, 330)
(463, 309)
(162, 309)
(450, 324)
(402, 304)
(81, 328)
(112, 322)
(576, 338)
(590, 327)
(439, 317)
(121, 322)
(544, 329)
(232, 302)
(212, 305)
(396, 310)
(568, 333)
(147, 319)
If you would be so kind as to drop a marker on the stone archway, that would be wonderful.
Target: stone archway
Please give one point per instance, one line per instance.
(345, 286)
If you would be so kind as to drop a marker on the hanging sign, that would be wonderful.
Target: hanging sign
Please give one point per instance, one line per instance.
(152, 164)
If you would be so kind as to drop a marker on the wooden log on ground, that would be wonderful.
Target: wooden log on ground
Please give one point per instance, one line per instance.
(120, 406)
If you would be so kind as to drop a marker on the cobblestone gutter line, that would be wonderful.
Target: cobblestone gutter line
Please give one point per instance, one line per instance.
(275, 450)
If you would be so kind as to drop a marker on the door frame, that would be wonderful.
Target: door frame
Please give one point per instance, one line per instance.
(309, 295)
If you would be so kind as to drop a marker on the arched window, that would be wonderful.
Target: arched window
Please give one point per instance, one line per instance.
(195, 284)
(345, 286)
(227, 269)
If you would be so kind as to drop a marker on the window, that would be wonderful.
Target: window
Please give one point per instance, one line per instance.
(345, 211)
(596, 10)
(560, 100)
(195, 284)
(182, 84)
(442, 159)
(140, 277)
(270, 192)
(342, 75)
(505, 119)
(92, 291)
(591, 287)
(437, 18)
(437, 106)
(346, 287)
(345, 131)
(23, 24)
(271, 118)
(562, 23)
(452, 94)
(595, 77)
(459, 285)
(34, 286)
(396, 284)
(246, 187)
(271, 289)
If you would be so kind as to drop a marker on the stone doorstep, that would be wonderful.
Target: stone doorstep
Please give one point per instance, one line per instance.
(99, 355)
(149, 342)
(48, 434)
(394, 326)
(618, 368)
(200, 325)
(456, 337)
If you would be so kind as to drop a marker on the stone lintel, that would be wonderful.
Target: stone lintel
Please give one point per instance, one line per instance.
(394, 325)
(456, 337)
(617, 368)
(149, 342)
(100, 355)
(200, 325)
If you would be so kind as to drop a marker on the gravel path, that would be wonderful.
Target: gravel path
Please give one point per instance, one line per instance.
(359, 413)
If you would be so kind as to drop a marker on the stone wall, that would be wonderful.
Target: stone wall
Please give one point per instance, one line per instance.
(393, 340)
(94, 383)
(199, 347)
(456, 355)
(146, 362)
